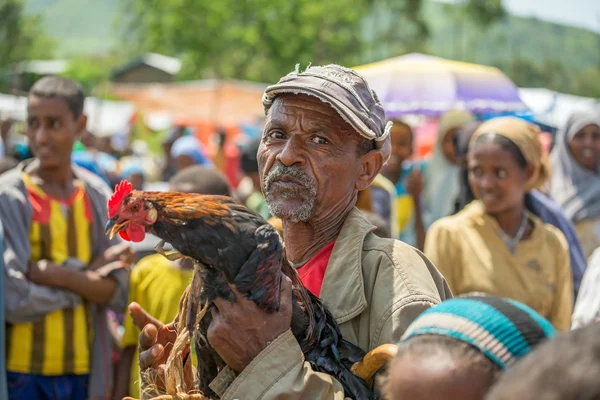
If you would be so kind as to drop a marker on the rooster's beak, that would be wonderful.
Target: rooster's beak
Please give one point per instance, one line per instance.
(112, 227)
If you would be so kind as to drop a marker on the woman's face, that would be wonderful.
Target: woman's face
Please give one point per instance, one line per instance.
(496, 178)
(425, 377)
(585, 147)
(448, 146)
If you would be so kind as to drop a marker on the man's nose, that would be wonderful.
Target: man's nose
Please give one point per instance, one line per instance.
(41, 134)
(292, 153)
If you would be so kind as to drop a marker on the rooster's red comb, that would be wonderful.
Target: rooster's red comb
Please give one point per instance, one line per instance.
(121, 190)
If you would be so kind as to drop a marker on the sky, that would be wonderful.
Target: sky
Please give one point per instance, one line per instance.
(580, 13)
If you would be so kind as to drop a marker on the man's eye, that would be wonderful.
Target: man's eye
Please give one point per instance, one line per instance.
(476, 171)
(501, 173)
(54, 124)
(320, 140)
(276, 135)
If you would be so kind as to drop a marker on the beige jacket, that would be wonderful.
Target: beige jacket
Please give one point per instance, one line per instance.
(373, 287)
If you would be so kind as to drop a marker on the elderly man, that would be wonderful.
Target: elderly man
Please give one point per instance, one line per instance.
(325, 139)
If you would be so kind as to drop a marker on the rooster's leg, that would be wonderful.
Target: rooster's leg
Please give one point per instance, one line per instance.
(171, 256)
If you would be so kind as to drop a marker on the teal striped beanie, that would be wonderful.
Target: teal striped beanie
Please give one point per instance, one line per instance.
(502, 329)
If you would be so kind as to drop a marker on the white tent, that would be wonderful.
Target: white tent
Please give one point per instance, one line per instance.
(554, 108)
(105, 118)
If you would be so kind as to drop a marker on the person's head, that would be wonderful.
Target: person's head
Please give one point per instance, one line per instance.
(582, 134)
(188, 151)
(200, 180)
(402, 141)
(175, 133)
(461, 145)
(567, 367)
(457, 349)
(7, 163)
(506, 161)
(88, 139)
(449, 123)
(249, 163)
(85, 160)
(462, 138)
(134, 173)
(55, 120)
(324, 140)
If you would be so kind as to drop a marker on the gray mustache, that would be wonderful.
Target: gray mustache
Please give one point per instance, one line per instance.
(293, 171)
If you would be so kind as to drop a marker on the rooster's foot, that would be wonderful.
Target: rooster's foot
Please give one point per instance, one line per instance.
(171, 256)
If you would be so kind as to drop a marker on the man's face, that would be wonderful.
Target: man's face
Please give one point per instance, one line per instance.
(52, 130)
(308, 160)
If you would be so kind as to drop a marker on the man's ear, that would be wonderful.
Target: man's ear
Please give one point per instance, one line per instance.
(81, 125)
(370, 166)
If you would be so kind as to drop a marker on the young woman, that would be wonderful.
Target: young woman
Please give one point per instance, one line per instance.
(576, 176)
(457, 349)
(494, 245)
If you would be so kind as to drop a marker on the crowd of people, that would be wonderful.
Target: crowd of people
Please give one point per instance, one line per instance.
(468, 260)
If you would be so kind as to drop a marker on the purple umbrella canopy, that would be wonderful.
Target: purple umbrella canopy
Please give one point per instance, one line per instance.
(422, 84)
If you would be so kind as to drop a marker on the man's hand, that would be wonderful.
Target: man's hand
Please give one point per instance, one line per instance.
(414, 184)
(156, 339)
(119, 252)
(44, 272)
(240, 331)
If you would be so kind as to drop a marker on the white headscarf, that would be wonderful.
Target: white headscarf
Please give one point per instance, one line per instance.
(575, 188)
(442, 179)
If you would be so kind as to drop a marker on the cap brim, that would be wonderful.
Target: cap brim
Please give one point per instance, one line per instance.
(344, 111)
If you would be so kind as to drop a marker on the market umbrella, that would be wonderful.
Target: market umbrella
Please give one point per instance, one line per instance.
(422, 84)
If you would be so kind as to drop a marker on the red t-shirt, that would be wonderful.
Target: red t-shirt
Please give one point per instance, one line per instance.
(313, 272)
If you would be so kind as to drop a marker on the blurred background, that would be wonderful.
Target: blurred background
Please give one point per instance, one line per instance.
(151, 65)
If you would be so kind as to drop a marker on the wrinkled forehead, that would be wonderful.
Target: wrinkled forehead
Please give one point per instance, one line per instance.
(289, 108)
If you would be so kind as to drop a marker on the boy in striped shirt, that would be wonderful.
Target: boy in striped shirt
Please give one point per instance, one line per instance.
(61, 270)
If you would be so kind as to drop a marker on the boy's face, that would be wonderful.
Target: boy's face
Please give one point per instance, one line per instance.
(402, 142)
(402, 148)
(52, 130)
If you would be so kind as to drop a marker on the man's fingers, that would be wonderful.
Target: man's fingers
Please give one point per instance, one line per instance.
(148, 337)
(214, 326)
(222, 304)
(141, 318)
(148, 357)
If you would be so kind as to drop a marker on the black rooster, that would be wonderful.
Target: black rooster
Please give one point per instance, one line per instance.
(232, 244)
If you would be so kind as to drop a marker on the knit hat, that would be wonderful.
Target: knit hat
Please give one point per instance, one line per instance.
(502, 329)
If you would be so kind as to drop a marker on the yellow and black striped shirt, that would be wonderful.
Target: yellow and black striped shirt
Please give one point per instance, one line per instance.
(60, 343)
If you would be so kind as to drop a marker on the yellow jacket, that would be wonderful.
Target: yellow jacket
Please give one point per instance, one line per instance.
(468, 250)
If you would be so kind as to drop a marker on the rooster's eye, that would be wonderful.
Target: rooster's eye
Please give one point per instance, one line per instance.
(135, 207)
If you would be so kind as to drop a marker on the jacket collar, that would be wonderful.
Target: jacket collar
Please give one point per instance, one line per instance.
(343, 289)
